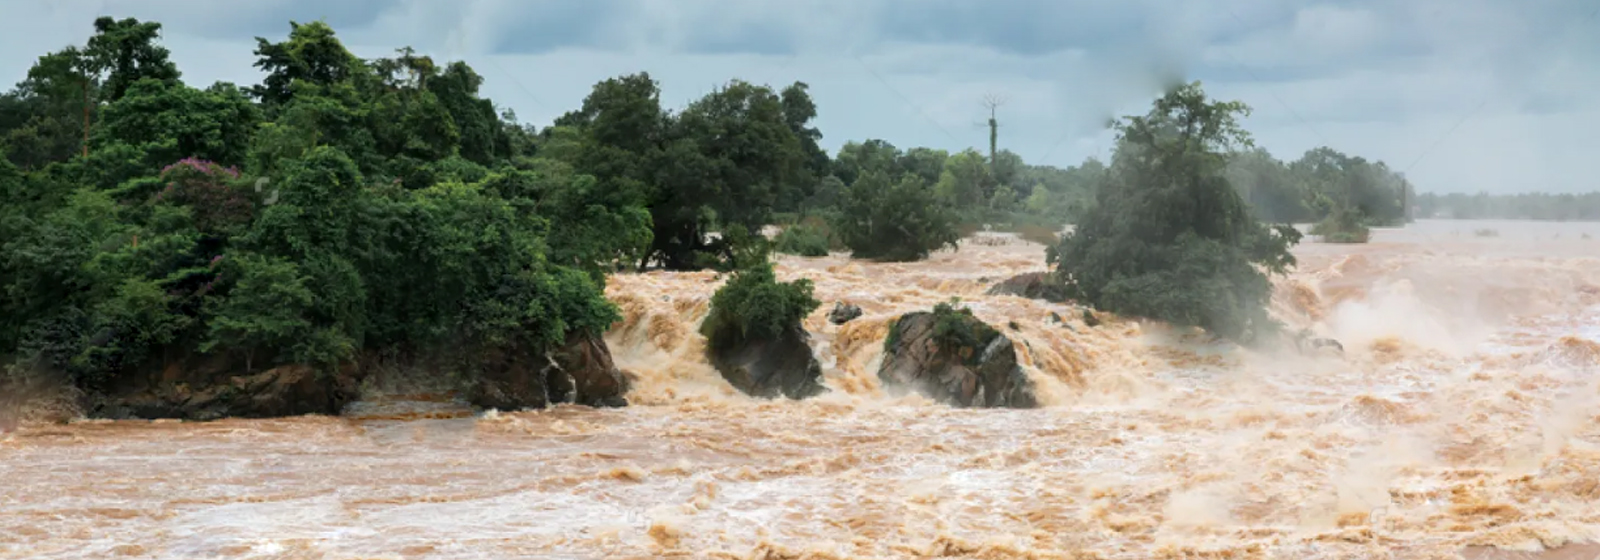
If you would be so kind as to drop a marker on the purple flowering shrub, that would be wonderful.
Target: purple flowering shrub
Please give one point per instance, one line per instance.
(218, 200)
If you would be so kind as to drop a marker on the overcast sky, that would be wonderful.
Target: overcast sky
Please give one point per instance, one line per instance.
(1463, 95)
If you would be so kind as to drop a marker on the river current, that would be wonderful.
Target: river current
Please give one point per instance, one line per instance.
(1463, 421)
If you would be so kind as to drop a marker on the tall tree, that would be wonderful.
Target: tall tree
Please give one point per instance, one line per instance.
(48, 116)
(883, 218)
(965, 181)
(617, 136)
(858, 158)
(127, 51)
(311, 54)
(1169, 238)
(799, 110)
(926, 163)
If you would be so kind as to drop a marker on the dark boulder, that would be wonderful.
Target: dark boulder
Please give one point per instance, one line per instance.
(592, 377)
(1032, 285)
(204, 387)
(192, 392)
(952, 357)
(767, 367)
(843, 313)
(1089, 318)
(580, 371)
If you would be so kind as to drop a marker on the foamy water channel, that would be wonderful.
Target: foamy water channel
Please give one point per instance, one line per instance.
(1463, 416)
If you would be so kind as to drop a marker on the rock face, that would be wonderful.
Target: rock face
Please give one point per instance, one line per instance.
(768, 368)
(1032, 285)
(585, 374)
(581, 372)
(975, 368)
(843, 313)
(200, 394)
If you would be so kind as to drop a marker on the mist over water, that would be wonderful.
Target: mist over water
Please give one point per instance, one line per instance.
(1464, 414)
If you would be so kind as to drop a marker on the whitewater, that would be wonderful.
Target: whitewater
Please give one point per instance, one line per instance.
(1462, 422)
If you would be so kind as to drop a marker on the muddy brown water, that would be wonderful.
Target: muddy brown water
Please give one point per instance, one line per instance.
(1461, 423)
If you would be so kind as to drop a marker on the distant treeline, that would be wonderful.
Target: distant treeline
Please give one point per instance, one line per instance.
(1524, 206)
(1321, 183)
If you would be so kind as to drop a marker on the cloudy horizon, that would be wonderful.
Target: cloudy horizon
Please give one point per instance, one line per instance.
(1465, 96)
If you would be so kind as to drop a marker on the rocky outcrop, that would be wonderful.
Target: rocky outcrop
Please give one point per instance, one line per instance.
(580, 371)
(843, 313)
(954, 358)
(193, 392)
(767, 367)
(586, 374)
(203, 388)
(1032, 285)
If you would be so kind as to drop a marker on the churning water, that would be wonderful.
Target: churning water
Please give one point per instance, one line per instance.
(1463, 416)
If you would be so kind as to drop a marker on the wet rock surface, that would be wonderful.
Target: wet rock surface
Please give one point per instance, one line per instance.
(205, 395)
(978, 369)
(843, 313)
(581, 372)
(1032, 285)
(767, 367)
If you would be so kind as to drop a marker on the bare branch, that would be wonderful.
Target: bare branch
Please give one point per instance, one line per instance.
(992, 101)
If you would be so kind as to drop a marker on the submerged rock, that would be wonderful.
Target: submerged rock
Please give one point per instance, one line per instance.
(1032, 285)
(767, 367)
(203, 394)
(954, 358)
(581, 372)
(843, 313)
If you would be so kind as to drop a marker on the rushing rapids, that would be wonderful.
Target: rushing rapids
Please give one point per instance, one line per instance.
(1461, 421)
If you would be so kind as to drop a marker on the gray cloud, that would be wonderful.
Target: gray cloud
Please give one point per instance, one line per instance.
(1387, 79)
(256, 18)
(1019, 28)
(541, 27)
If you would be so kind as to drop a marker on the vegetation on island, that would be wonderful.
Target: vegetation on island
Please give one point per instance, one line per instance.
(345, 208)
(1169, 238)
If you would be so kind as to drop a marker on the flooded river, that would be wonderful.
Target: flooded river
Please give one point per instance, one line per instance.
(1461, 423)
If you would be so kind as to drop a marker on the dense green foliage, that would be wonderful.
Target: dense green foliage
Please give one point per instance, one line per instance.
(1343, 226)
(351, 207)
(755, 305)
(958, 333)
(347, 207)
(957, 328)
(805, 239)
(893, 220)
(1169, 237)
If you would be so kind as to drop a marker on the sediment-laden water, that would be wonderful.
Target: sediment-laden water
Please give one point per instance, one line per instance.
(1464, 421)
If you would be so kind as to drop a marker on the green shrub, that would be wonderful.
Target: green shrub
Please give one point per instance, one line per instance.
(894, 221)
(959, 334)
(755, 305)
(954, 329)
(802, 239)
(735, 248)
(1343, 225)
(1348, 237)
